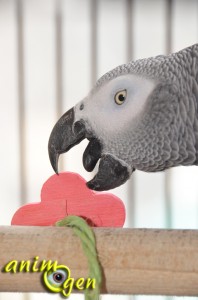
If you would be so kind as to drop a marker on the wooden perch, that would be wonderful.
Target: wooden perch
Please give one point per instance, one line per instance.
(134, 261)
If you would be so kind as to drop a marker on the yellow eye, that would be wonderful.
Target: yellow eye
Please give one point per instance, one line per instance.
(120, 97)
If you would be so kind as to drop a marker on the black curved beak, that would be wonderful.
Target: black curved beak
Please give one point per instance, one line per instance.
(64, 136)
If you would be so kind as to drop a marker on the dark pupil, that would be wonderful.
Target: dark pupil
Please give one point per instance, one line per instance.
(121, 97)
(57, 277)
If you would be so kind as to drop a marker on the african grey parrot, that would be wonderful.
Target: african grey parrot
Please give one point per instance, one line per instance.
(141, 115)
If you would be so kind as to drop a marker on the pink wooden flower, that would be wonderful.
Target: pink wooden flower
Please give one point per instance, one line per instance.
(67, 194)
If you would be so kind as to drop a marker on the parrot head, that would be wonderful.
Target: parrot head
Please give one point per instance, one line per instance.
(130, 118)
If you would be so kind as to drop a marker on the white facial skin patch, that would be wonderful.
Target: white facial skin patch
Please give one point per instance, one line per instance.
(102, 111)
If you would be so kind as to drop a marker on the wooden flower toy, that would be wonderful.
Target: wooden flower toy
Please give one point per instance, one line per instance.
(67, 194)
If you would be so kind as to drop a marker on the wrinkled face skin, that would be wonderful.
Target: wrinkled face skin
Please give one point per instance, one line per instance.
(112, 121)
(107, 117)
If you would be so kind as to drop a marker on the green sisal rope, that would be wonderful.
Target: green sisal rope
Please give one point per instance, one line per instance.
(86, 235)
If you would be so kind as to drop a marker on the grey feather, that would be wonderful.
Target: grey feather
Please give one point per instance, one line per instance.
(166, 134)
(155, 129)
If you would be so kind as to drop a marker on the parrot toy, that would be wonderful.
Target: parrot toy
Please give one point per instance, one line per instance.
(141, 115)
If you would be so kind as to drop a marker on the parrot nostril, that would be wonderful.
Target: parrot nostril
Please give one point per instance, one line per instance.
(82, 106)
